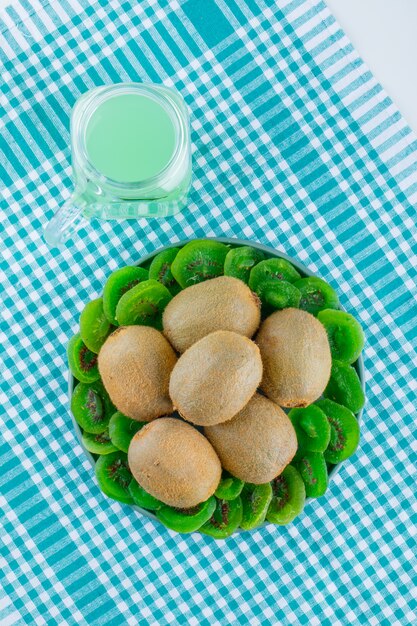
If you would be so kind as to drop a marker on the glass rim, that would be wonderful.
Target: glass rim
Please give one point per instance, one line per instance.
(83, 111)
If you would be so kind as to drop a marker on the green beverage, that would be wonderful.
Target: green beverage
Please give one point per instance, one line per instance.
(131, 157)
(130, 138)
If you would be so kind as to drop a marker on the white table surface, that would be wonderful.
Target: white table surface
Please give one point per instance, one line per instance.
(385, 34)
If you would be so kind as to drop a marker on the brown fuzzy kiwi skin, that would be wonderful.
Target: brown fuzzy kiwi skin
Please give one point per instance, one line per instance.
(296, 357)
(215, 378)
(223, 303)
(135, 363)
(257, 444)
(175, 463)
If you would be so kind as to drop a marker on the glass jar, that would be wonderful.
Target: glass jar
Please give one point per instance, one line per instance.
(131, 157)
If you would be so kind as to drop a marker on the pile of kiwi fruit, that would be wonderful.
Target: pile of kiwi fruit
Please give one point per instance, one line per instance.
(216, 387)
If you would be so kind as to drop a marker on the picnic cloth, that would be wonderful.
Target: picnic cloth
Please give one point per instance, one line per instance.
(295, 145)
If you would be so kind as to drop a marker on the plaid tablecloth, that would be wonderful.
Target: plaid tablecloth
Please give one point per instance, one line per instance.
(296, 146)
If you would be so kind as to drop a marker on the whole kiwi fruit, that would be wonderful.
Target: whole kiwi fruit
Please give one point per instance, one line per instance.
(257, 444)
(296, 357)
(223, 303)
(215, 378)
(175, 463)
(135, 363)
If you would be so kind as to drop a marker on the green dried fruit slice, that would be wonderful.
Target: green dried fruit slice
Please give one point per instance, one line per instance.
(82, 361)
(99, 443)
(281, 295)
(239, 262)
(143, 305)
(312, 428)
(113, 476)
(91, 407)
(118, 283)
(160, 270)
(198, 261)
(94, 325)
(345, 335)
(225, 520)
(313, 470)
(344, 431)
(122, 429)
(316, 295)
(269, 271)
(288, 497)
(142, 498)
(229, 487)
(187, 520)
(344, 387)
(255, 502)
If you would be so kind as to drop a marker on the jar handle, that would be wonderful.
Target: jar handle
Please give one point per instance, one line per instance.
(66, 221)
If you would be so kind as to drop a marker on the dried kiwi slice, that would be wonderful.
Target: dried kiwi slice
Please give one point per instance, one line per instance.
(345, 334)
(344, 431)
(82, 361)
(312, 428)
(142, 498)
(198, 261)
(225, 519)
(113, 476)
(270, 271)
(288, 498)
(94, 325)
(344, 387)
(187, 520)
(118, 283)
(229, 487)
(313, 469)
(255, 503)
(143, 305)
(316, 295)
(281, 294)
(240, 261)
(160, 270)
(91, 407)
(122, 429)
(99, 443)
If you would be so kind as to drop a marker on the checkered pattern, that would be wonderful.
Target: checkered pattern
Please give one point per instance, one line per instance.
(295, 146)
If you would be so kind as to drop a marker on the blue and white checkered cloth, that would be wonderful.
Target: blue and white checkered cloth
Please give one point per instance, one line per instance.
(296, 146)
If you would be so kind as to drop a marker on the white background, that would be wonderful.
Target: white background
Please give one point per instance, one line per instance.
(385, 34)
